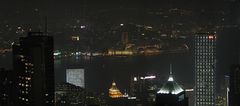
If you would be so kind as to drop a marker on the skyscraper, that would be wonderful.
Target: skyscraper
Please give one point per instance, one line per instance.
(144, 88)
(7, 87)
(75, 77)
(171, 94)
(205, 69)
(33, 63)
(114, 92)
(234, 93)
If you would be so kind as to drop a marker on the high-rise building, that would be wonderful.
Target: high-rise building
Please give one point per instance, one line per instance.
(171, 94)
(205, 69)
(75, 77)
(144, 88)
(33, 63)
(234, 93)
(7, 87)
(124, 38)
(114, 92)
(226, 90)
(68, 94)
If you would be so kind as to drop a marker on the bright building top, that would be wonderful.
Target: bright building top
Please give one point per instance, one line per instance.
(170, 87)
(114, 92)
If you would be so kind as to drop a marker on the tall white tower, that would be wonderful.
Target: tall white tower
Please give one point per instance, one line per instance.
(205, 69)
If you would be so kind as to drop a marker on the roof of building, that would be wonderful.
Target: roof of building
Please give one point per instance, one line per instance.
(114, 92)
(170, 87)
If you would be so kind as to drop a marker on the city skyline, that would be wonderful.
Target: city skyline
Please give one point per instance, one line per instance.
(84, 46)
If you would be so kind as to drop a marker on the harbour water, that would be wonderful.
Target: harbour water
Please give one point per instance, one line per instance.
(101, 71)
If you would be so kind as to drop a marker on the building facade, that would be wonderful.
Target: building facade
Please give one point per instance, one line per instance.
(114, 92)
(144, 88)
(7, 87)
(171, 94)
(234, 93)
(205, 69)
(34, 65)
(67, 94)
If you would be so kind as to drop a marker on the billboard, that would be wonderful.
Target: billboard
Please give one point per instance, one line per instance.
(75, 77)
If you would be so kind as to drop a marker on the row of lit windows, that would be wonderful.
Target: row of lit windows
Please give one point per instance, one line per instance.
(208, 86)
(204, 40)
(205, 47)
(201, 63)
(204, 53)
(204, 50)
(204, 85)
(26, 78)
(205, 74)
(29, 71)
(209, 82)
(206, 57)
(204, 68)
(28, 64)
(205, 98)
(206, 43)
(208, 91)
(198, 39)
(201, 94)
(205, 79)
(204, 63)
(206, 36)
(24, 92)
(24, 85)
(201, 52)
(23, 99)
(204, 103)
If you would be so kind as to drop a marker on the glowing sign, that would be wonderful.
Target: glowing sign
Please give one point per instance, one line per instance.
(211, 37)
(135, 79)
(75, 77)
(132, 97)
(82, 26)
(189, 90)
(56, 53)
(148, 77)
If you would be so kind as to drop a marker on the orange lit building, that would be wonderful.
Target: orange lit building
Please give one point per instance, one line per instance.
(114, 92)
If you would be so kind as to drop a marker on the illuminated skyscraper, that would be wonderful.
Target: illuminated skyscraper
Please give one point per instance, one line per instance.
(75, 77)
(114, 92)
(171, 94)
(205, 69)
(33, 63)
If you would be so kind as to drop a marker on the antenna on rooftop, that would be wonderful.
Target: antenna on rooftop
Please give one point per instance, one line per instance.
(170, 69)
(45, 25)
